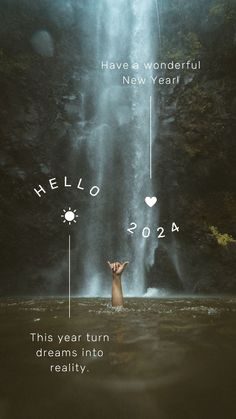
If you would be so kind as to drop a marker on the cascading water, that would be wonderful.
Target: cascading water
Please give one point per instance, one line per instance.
(118, 145)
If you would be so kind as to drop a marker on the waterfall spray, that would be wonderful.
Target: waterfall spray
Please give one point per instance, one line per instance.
(119, 145)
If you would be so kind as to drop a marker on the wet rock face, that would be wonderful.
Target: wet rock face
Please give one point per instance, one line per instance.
(40, 53)
(36, 74)
(197, 170)
(165, 274)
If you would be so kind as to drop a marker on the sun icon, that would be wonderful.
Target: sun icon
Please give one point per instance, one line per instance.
(69, 216)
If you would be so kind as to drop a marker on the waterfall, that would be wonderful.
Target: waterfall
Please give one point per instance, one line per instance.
(118, 145)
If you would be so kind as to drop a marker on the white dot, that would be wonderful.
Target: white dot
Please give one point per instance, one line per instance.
(69, 216)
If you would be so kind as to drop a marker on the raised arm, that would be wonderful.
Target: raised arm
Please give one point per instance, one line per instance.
(117, 269)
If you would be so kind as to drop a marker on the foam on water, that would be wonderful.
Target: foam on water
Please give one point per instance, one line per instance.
(156, 293)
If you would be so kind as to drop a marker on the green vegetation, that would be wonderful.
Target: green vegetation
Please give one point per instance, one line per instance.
(188, 45)
(222, 239)
(217, 10)
(223, 11)
(18, 63)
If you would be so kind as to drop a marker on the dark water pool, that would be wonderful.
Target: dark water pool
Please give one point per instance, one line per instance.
(165, 358)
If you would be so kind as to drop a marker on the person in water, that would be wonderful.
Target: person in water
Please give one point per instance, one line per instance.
(117, 269)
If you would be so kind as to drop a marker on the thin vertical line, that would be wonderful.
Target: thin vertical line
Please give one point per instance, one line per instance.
(69, 277)
(150, 137)
(158, 22)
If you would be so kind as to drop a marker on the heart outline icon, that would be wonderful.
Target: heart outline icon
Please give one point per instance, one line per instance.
(151, 201)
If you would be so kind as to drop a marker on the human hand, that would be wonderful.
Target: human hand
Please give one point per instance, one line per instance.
(117, 267)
